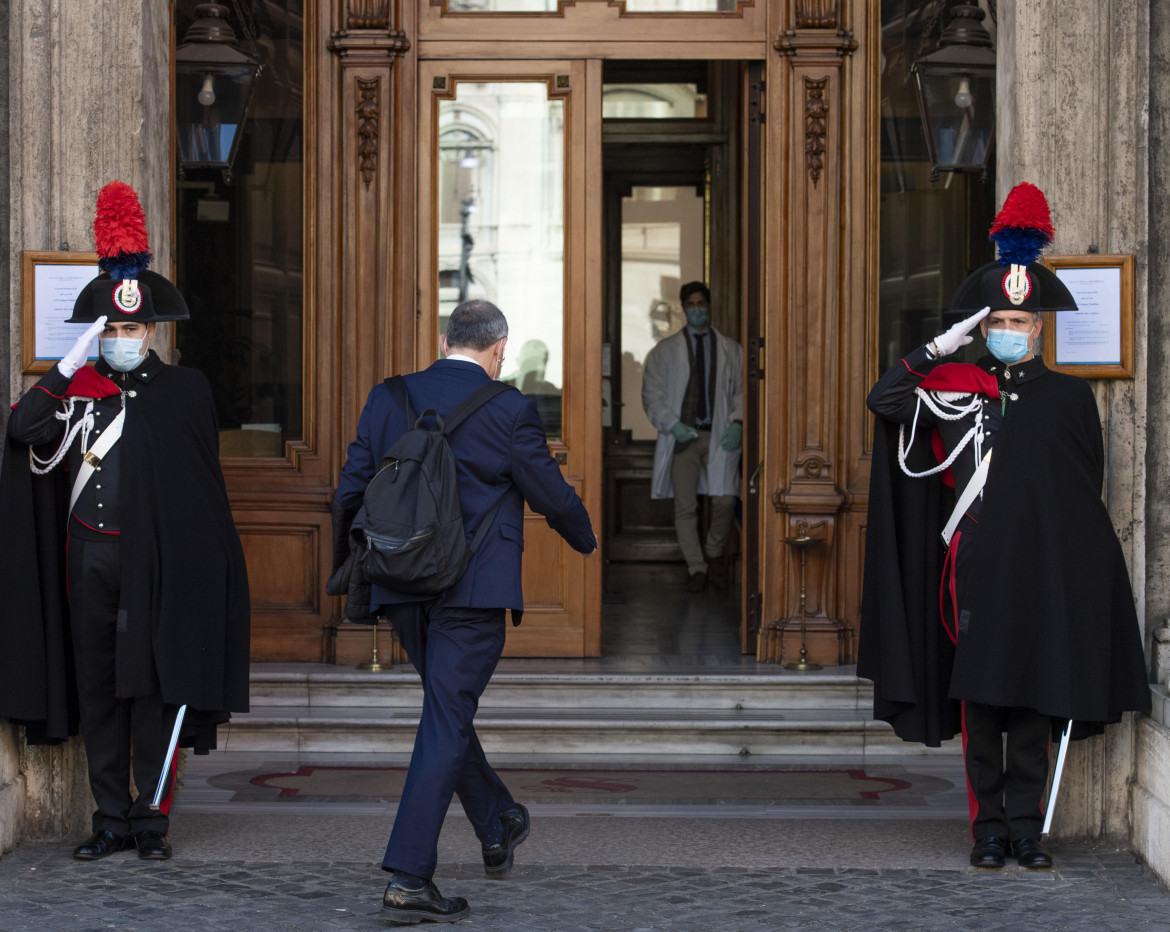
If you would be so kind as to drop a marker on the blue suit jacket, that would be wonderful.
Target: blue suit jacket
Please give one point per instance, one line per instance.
(501, 452)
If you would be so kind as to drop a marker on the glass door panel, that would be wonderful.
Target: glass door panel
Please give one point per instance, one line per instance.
(501, 230)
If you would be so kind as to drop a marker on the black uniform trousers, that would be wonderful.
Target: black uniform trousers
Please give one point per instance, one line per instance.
(111, 726)
(1004, 791)
(455, 651)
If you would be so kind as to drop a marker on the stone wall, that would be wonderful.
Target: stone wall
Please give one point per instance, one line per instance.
(1151, 792)
(86, 100)
(1074, 95)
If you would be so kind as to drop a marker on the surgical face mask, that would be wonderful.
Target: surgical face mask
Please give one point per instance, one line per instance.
(123, 353)
(1008, 345)
(696, 315)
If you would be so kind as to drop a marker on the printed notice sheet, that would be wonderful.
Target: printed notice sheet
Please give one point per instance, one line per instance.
(1092, 334)
(56, 287)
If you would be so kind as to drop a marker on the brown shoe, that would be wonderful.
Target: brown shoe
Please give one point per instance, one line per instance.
(697, 582)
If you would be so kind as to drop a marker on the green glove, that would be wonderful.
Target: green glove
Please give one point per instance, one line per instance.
(682, 433)
(732, 436)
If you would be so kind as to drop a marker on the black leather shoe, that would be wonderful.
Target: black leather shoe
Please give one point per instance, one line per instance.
(101, 844)
(497, 859)
(1029, 853)
(697, 582)
(407, 901)
(989, 852)
(152, 846)
(719, 573)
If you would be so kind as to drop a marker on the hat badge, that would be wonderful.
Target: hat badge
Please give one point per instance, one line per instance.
(128, 296)
(1017, 285)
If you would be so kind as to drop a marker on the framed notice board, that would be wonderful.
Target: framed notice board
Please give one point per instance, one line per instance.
(50, 283)
(1096, 341)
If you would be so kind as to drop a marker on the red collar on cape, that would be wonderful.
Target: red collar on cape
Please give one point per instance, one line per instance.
(961, 377)
(87, 383)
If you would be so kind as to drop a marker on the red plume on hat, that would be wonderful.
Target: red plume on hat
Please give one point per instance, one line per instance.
(119, 232)
(1023, 226)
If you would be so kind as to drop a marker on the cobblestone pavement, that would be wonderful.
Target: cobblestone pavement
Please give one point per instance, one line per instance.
(225, 879)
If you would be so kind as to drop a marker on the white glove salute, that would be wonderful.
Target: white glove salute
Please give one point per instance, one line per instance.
(79, 352)
(958, 336)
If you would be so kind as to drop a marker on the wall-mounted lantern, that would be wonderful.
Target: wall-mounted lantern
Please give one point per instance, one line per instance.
(956, 94)
(214, 82)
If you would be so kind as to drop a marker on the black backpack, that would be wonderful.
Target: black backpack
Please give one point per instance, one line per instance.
(410, 525)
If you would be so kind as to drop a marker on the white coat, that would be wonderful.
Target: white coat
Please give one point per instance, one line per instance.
(664, 383)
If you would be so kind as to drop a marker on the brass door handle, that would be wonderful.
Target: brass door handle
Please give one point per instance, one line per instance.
(755, 475)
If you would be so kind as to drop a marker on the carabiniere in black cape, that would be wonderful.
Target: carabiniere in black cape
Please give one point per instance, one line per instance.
(185, 585)
(1052, 626)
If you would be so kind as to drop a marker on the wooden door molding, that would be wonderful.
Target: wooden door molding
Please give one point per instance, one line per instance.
(816, 138)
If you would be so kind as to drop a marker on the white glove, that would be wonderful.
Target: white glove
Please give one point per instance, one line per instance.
(951, 341)
(79, 352)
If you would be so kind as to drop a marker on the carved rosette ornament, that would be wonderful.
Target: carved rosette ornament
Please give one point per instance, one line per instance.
(816, 112)
(816, 14)
(369, 92)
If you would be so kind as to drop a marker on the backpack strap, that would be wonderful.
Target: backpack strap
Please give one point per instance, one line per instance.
(482, 530)
(477, 399)
(397, 386)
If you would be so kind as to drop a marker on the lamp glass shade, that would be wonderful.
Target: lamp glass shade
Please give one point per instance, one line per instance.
(213, 90)
(958, 115)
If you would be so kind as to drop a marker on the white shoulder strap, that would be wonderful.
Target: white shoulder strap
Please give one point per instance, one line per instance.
(93, 457)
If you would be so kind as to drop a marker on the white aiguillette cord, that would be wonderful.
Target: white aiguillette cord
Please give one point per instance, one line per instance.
(93, 457)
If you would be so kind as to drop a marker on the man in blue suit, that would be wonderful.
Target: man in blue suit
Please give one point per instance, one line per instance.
(455, 639)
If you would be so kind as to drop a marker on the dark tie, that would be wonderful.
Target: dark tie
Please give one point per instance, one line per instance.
(700, 374)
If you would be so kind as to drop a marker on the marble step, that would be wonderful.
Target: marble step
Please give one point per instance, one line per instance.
(328, 687)
(543, 732)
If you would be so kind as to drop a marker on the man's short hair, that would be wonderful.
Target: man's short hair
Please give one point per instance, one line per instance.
(476, 324)
(691, 288)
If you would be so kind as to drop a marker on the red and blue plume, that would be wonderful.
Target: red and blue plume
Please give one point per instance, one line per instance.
(119, 232)
(1023, 226)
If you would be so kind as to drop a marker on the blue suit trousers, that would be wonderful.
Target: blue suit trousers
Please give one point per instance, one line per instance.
(455, 651)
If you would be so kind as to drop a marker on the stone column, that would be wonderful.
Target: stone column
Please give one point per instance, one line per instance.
(1074, 96)
(88, 100)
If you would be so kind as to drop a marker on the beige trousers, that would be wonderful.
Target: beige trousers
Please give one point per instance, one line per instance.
(687, 465)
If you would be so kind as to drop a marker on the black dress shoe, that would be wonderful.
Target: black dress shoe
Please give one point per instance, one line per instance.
(497, 859)
(719, 573)
(697, 582)
(989, 852)
(152, 846)
(410, 900)
(1029, 853)
(101, 844)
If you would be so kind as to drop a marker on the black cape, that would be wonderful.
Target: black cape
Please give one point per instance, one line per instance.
(184, 589)
(1054, 627)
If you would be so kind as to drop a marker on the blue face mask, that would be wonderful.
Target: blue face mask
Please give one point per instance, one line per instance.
(696, 316)
(1007, 345)
(122, 353)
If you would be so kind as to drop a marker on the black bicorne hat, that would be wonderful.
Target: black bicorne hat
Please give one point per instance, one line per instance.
(1030, 288)
(124, 290)
(148, 299)
(1022, 228)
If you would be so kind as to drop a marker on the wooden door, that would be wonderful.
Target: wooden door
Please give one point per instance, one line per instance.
(509, 209)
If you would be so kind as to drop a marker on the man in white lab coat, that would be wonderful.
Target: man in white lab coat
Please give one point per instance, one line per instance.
(692, 392)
